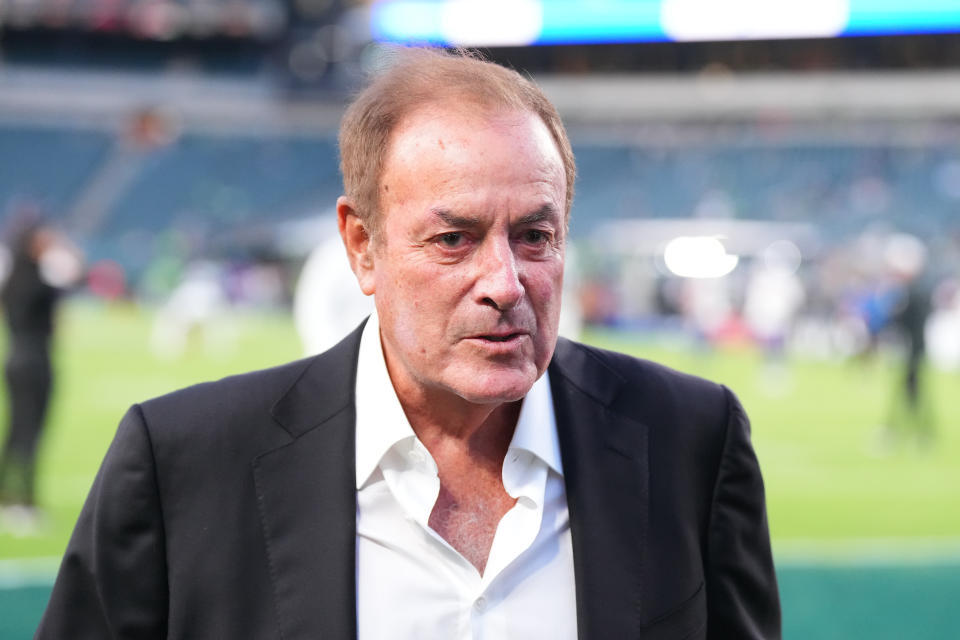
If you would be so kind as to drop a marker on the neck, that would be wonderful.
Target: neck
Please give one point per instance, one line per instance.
(463, 429)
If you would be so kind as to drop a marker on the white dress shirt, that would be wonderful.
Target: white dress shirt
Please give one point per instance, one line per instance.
(411, 583)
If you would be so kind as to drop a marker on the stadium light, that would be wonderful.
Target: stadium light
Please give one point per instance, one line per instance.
(551, 22)
(480, 22)
(698, 257)
(752, 19)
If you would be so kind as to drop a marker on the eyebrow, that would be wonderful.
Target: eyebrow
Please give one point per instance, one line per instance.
(546, 212)
(451, 219)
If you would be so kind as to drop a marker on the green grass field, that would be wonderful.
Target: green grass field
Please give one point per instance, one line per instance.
(815, 427)
(836, 498)
(103, 365)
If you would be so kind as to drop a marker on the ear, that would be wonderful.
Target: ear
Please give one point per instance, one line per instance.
(356, 240)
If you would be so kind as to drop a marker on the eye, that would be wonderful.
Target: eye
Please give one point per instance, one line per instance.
(451, 239)
(535, 236)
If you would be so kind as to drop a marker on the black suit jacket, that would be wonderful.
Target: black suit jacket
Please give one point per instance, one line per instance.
(228, 510)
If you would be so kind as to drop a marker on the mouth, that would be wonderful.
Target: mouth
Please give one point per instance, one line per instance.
(501, 338)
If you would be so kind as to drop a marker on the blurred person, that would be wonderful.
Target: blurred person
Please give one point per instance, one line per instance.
(707, 308)
(875, 305)
(43, 263)
(943, 328)
(571, 312)
(193, 314)
(774, 295)
(452, 468)
(872, 294)
(327, 304)
(773, 298)
(107, 280)
(910, 414)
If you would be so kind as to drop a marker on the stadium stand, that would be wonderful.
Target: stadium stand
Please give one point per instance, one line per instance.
(209, 182)
(227, 182)
(27, 169)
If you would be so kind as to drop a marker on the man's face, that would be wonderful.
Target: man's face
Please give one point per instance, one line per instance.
(467, 268)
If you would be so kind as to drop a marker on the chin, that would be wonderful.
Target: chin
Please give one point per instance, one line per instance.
(496, 388)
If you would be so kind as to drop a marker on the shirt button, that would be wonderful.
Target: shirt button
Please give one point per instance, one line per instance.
(480, 604)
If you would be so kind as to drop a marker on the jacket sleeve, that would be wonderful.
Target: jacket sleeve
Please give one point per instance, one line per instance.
(112, 581)
(742, 596)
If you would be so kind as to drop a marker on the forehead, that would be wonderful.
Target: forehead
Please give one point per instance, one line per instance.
(452, 147)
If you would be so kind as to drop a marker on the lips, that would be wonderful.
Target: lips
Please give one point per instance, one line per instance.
(502, 338)
(502, 334)
(505, 342)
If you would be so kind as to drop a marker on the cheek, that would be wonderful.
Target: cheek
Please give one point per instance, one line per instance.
(416, 299)
(545, 285)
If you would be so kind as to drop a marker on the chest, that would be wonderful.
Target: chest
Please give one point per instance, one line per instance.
(412, 583)
(468, 517)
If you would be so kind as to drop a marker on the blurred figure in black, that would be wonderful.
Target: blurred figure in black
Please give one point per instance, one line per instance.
(910, 412)
(41, 263)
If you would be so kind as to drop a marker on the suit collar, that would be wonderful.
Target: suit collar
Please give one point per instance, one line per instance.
(324, 388)
(596, 383)
(607, 481)
(307, 500)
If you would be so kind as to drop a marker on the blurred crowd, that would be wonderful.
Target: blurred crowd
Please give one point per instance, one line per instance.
(839, 300)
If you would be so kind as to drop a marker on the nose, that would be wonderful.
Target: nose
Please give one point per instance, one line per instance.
(498, 282)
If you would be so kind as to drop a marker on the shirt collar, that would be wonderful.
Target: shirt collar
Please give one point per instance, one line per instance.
(381, 422)
(536, 430)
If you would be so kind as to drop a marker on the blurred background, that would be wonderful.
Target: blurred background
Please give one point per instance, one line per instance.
(769, 196)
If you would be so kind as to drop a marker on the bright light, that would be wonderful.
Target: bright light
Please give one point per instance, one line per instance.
(698, 257)
(402, 21)
(492, 23)
(752, 19)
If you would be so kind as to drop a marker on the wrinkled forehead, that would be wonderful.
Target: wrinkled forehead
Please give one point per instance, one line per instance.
(463, 126)
(495, 153)
(472, 115)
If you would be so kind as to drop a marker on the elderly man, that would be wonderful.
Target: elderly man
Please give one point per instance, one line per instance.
(451, 469)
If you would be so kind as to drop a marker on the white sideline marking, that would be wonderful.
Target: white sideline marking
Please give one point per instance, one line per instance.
(16, 573)
(868, 551)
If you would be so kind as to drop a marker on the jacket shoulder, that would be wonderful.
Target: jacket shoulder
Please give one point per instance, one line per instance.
(235, 410)
(259, 408)
(239, 393)
(631, 384)
(686, 417)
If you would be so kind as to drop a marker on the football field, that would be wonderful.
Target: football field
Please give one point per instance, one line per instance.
(866, 530)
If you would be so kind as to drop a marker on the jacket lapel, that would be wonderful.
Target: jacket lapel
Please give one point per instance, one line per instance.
(306, 495)
(606, 475)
